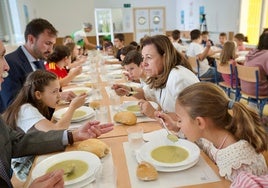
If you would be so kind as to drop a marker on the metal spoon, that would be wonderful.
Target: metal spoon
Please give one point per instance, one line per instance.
(172, 137)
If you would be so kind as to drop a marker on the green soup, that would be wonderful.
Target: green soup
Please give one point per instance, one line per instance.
(77, 114)
(134, 108)
(169, 154)
(80, 168)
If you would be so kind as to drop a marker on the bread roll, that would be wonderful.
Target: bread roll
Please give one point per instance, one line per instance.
(146, 172)
(94, 104)
(125, 117)
(89, 85)
(95, 146)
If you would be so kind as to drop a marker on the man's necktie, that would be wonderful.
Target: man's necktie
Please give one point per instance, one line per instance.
(39, 64)
(3, 174)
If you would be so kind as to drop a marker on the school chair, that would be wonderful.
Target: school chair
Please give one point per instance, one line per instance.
(194, 62)
(228, 87)
(250, 74)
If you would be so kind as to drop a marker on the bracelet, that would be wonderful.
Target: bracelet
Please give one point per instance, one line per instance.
(70, 137)
(130, 94)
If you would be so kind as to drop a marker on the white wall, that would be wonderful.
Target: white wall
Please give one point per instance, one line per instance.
(221, 16)
(68, 15)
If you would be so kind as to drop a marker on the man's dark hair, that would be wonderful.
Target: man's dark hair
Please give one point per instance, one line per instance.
(240, 36)
(132, 57)
(195, 34)
(38, 26)
(176, 34)
(223, 34)
(127, 49)
(120, 36)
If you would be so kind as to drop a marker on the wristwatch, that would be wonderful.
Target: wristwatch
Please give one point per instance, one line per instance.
(70, 137)
(130, 93)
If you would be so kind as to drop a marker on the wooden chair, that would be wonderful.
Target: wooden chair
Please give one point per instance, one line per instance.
(250, 74)
(195, 66)
(226, 69)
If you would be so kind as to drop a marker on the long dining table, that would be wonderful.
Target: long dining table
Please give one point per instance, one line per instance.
(118, 137)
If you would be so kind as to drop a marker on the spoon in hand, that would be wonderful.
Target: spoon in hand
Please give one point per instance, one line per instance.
(170, 136)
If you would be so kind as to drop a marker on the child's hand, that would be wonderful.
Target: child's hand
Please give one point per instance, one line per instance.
(78, 101)
(120, 89)
(170, 122)
(76, 71)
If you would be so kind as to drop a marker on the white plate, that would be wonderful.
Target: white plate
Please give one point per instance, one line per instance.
(89, 113)
(193, 150)
(125, 105)
(116, 74)
(240, 59)
(112, 60)
(86, 68)
(167, 169)
(79, 90)
(242, 53)
(91, 159)
(81, 77)
(113, 67)
(108, 57)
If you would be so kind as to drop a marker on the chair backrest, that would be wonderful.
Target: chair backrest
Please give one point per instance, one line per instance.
(194, 62)
(248, 74)
(223, 69)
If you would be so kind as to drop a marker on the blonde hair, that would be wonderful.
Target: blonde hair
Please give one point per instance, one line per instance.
(228, 52)
(206, 99)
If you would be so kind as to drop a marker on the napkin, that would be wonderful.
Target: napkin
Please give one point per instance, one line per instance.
(199, 174)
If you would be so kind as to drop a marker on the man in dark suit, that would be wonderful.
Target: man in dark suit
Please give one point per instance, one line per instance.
(15, 143)
(40, 37)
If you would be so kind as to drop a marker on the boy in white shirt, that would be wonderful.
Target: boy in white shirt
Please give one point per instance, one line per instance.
(195, 49)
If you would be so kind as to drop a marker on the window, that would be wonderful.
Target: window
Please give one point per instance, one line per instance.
(253, 19)
(10, 31)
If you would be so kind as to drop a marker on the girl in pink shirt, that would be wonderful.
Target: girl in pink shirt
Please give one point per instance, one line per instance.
(227, 57)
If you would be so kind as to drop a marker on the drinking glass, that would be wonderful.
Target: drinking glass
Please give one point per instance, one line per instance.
(102, 114)
(135, 137)
(115, 101)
